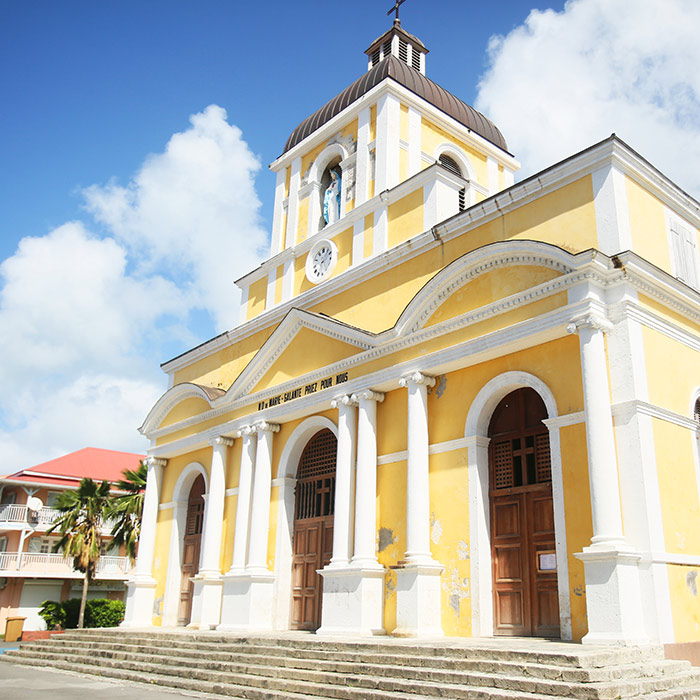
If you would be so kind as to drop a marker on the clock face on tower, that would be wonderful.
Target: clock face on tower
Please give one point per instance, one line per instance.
(321, 261)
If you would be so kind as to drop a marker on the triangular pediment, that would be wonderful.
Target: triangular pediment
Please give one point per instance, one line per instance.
(301, 344)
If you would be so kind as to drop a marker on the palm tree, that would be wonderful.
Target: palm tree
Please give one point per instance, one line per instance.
(80, 525)
(126, 509)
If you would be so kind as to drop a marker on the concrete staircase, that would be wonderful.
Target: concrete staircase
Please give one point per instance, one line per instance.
(296, 665)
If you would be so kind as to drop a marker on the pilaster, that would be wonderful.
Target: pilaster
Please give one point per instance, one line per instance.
(141, 588)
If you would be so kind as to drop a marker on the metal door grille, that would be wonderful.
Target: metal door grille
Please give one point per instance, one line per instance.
(315, 491)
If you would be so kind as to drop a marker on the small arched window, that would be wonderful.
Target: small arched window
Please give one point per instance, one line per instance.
(696, 411)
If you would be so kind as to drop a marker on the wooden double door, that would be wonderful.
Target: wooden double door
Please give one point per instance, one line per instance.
(525, 590)
(313, 528)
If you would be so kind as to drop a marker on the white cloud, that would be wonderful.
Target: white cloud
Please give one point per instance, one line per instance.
(83, 317)
(563, 81)
(193, 209)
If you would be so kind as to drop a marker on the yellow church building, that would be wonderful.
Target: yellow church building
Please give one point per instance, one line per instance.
(454, 405)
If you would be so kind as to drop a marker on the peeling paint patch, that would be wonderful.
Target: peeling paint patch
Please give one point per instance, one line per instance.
(439, 386)
(158, 606)
(456, 588)
(385, 538)
(691, 580)
(390, 585)
(435, 529)
(463, 549)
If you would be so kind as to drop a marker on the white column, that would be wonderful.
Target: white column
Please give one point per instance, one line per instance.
(353, 593)
(613, 592)
(418, 610)
(214, 517)
(240, 539)
(366, 480)
(415, 123)
(141, 588)
(388, 143)
(277, 238)
(417, 477)
(314, 215)
(206, 599)
(602, 462)
(343, 519)
(293, 204)
(262, 482)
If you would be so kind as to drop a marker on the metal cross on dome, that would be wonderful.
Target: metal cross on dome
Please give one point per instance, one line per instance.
(395, 8)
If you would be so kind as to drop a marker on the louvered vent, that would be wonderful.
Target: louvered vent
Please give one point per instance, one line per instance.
(403, 51)
(450, 164)
(376, 55)
(697, 410)
(462, 199)
(415, 59)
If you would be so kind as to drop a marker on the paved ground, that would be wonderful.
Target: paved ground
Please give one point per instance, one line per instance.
(28, 683)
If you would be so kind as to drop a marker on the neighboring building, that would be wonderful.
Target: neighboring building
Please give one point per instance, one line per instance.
(470, 404)
(30, 572)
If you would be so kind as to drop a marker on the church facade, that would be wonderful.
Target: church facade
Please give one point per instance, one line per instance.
(454, 405)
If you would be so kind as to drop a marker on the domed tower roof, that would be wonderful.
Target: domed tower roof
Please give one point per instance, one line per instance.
(411, 76)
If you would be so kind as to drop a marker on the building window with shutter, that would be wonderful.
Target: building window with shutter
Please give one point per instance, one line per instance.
(684, 253)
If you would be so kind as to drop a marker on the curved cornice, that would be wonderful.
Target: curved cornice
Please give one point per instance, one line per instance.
(175, 395)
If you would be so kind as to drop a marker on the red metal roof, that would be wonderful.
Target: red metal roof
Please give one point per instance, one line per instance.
(96, 463)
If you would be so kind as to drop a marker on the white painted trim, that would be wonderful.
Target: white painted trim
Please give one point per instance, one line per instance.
(415, 135)
(243, 318)
(611, 210)
(362, 167)
(293, 205)
(288, 280)
(622, 411)
(173, 575)
(231, 492)
(358, 242)
(462, 159)
(387, 150)
(271, 283)
(381, 231)
(492, 175)
(672, 559)
(565, 420)
(276, 240)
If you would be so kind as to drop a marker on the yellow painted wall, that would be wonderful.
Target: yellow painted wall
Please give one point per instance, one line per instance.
(684, 582)
(648, 226)
(185, 409)
(278, 284)
(303, 218)
(257, 294)
(344, 242)
(161, 559)
(368, 236)
(405, 218)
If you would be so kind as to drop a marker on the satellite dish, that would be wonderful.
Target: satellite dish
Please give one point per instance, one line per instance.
(35, 504)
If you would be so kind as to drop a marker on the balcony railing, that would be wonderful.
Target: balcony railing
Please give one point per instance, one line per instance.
(21, 515)
(40, 564)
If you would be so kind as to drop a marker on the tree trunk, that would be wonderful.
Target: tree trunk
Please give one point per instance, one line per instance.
(86, 582)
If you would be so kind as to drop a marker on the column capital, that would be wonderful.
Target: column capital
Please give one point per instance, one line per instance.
(595, 320)
(221, 440)
(368, 395)
(155, 462)
(417, 378)
(245, 430)
(345, 400)
(263, 426)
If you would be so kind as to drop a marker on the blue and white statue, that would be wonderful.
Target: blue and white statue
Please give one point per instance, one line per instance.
(331, 198)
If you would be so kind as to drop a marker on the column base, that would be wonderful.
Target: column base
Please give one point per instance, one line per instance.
(206, 601)
(613, 595)
(418, 596)
(140, 598)
(353, 601)
(247, 601)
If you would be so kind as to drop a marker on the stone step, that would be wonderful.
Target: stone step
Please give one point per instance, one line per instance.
(434, 683)
(223, 687)
(393, 665)
(575, 655)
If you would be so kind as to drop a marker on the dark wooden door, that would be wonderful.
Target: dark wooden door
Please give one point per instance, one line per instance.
(313, 528)
(526, 601)
(191, 548)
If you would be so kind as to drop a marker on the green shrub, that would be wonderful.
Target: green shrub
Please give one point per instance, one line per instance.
(53, 614)
(99, 612)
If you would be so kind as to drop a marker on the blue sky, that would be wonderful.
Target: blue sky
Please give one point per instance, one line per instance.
(135, 139)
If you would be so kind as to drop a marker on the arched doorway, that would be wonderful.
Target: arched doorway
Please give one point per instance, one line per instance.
(313, 528)
(191, 547)
(525, 593)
